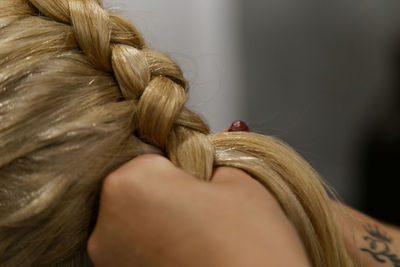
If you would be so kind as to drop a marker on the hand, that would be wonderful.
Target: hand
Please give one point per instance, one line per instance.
(154, 214)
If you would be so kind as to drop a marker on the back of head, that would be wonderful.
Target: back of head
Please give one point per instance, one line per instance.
(81, 94)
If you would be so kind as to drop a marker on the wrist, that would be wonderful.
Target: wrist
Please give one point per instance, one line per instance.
(367, 239)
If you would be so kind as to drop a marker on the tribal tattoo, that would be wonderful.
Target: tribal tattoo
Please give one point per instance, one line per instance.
(379, 246)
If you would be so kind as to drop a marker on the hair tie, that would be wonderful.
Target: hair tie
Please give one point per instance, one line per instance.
(239, 126)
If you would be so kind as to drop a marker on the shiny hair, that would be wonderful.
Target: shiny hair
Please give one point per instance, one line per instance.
(81, 94)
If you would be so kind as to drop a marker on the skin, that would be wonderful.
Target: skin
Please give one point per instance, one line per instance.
(171, 219)
(154, 214)
(369, 242)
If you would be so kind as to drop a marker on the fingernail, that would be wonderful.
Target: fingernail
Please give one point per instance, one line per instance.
(239, 126)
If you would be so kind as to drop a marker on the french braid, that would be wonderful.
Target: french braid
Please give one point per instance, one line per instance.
(145, 75)
(124, 99)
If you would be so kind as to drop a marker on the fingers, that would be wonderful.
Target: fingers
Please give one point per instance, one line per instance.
(144, 171)
(148, 165)
(229, 174)
(146, 192)
(242, 186)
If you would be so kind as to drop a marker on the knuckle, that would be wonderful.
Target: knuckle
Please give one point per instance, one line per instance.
(92, 250)
(112, 185)
(134, 174)
(144, 163)
(230, 174)
(149, 161)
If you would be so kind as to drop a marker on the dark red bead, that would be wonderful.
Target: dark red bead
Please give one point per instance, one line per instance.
(239, 126)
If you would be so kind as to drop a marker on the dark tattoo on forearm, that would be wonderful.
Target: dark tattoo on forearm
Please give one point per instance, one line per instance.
(379, 246)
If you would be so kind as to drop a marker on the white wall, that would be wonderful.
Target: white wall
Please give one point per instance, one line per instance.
(203, 36)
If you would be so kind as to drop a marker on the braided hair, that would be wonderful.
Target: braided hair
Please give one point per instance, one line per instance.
(81, 94)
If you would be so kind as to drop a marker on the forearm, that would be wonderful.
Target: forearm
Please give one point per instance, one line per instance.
(370, 243)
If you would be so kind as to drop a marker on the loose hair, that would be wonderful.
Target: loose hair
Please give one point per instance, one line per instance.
(81, 94)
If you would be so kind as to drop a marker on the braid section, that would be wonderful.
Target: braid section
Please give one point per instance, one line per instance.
(161, 64)
(56, 9)
(92, 30)
(158, 107)
(122, 31)
(131, 70)
(192, 151)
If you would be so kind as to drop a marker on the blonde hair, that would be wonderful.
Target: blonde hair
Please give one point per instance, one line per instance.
(81, 94)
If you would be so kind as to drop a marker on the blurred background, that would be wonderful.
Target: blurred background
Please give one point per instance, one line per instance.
(324, 76)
